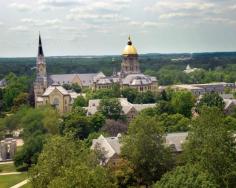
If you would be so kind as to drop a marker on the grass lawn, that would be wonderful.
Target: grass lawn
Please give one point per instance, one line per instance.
(7, 168)
(10, 180)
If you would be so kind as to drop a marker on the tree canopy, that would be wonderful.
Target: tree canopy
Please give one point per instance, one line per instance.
(66, 163)
(188, 176)
(144, 148)
(212, 146)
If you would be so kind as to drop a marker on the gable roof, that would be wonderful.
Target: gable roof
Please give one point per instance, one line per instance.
(176, 140)
(51, 88)
(110, 146)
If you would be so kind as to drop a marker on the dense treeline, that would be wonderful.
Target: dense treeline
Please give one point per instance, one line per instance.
(215, 66)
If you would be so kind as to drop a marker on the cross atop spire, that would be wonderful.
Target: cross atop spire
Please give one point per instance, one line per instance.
(40, 49)
(129, 40)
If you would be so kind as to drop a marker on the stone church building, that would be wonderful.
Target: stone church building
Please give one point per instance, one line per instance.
(48, 88)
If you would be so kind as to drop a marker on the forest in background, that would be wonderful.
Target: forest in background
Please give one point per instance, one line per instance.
(168, 68)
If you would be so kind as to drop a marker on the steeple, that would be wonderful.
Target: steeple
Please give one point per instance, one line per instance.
(41, 81)
(40, 62)
(40, 49)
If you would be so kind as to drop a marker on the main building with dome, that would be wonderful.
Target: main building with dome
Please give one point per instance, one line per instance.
(48, 88)
(129, 75)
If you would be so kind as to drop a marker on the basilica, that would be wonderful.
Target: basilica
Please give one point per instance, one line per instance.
(49, 89)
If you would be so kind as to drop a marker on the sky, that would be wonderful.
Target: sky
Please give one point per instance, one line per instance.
(102, 27)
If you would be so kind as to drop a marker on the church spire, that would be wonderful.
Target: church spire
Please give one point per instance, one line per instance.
(40, 49)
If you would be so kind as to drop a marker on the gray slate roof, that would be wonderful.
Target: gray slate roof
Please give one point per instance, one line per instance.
(176, 140)
(86, 79)
(138, 79)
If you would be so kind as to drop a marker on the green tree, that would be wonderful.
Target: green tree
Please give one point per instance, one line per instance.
(97, 121)
(144, 148)
(174, 122)
(36, 124)
(188, 176)
(211, 100)
(110, 108)
(77, 126)
(80, 101)
(20, 100)
(145, 98)
(129, 93)
(123, 170)
(75, 87)
(15, 86)
(66, 163)
(212, 145)
(183, 103)
(28, 155)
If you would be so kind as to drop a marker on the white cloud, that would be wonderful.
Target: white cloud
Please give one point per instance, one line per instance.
(36, 22)
(21, 6)
(59, 3)
(19, 28)
(150, 24)
(173, 5)
(98, 18)
(173, 15)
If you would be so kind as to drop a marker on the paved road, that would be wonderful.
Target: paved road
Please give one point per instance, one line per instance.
(20, 184)
(6, 162)
(9, 173)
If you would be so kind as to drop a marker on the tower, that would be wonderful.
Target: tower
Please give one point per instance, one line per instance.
(130, 64)
(41, 81)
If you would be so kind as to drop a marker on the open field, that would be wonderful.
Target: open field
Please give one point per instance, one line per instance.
(10, 180)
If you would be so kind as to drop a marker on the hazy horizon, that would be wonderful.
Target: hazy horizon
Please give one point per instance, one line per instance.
(88, 28)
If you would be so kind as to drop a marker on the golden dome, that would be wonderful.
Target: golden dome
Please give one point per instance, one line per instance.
(129, 49)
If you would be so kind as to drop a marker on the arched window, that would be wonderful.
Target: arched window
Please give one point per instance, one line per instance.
(56, 103)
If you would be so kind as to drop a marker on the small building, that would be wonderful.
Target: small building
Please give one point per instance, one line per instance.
(128, 109)
(7, 149)
(201, 89)
(58, 97)
(190, 70)
(110, 147)
(175, 141)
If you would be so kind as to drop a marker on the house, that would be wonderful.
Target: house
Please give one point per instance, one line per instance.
(128, 109)
(175, 141)
(110, 147)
